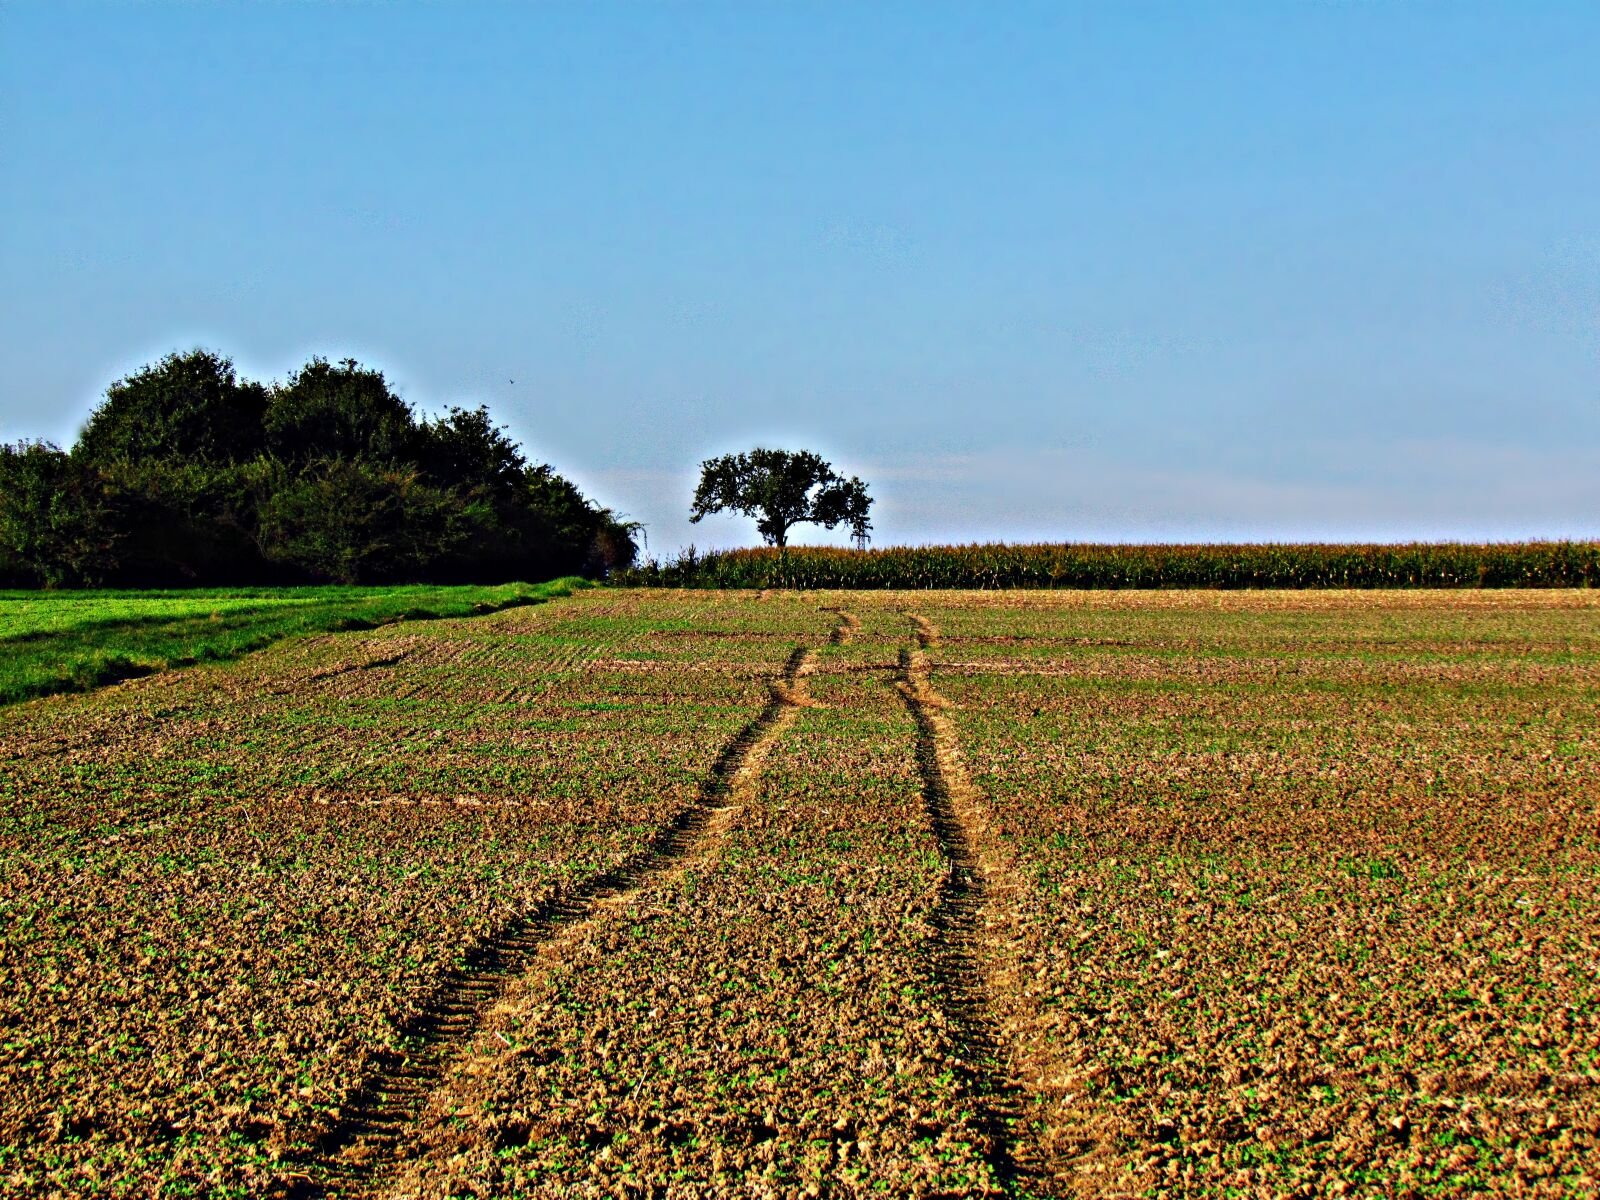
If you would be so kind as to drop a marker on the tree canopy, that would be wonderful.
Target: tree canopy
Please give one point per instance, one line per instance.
(186, 474)
(187, 406)
(782, 489)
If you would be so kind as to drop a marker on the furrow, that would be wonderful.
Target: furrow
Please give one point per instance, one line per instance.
(375, 664)
(963, 952)
(377, 1133)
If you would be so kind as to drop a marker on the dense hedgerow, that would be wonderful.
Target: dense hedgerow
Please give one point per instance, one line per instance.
(1412, 565)
(188, 475)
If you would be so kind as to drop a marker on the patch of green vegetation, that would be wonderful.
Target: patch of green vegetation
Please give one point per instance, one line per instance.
(71, 641)
(1087, 565)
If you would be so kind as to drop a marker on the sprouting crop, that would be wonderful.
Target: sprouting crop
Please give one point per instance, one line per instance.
(650, 892)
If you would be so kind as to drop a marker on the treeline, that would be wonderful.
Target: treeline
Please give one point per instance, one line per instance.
(1414, 565)
(189, 475)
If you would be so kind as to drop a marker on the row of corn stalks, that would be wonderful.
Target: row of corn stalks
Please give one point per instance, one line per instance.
(1317, 565)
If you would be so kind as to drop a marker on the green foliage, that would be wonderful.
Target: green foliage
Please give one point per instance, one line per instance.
(781, 489)
(187, 475)
(464, 448)
(55, 521)
(338, 410)
(72, 641)
(1447, 565)
(188, 521)
(187, 406)
(354, 520)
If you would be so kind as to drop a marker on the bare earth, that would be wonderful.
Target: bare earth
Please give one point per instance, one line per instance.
(876, 893)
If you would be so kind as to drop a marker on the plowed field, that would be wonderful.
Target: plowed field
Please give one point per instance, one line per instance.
(779, 894)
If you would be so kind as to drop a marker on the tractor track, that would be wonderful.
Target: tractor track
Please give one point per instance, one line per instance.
(964, 912)
(845, 632)
(376, 1134)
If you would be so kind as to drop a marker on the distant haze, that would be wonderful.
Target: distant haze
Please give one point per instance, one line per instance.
(1036, 272)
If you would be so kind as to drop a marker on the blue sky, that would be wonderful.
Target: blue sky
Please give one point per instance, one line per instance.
(1100, 271)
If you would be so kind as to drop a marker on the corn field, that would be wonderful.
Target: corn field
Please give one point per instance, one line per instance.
(1311, 565)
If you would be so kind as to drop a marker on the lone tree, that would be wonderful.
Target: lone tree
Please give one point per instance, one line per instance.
(782, 489)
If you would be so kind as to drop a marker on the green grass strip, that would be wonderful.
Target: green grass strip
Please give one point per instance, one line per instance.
(73, 641)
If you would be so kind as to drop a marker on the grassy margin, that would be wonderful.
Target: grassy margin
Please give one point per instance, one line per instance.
(114, 641)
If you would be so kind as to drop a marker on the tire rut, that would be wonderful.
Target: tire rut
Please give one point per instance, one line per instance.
(964, 912)
(377, 1133)
(845, 632)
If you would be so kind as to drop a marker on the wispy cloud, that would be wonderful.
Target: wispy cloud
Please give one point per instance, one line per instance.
(1424, 489)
